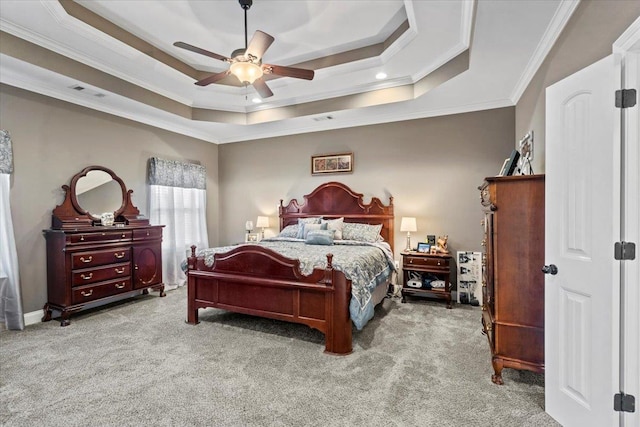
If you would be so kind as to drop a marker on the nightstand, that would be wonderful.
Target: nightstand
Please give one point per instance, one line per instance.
(437, 264)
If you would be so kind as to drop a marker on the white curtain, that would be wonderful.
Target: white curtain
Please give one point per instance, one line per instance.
(10, 301)
(178, 200)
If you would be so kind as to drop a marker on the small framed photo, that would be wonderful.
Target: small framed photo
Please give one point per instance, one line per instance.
(424, 248)
(251, 238)
(433, 250)
(332, 163)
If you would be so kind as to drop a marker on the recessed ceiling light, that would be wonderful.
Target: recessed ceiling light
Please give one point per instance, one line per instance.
(381, 75)
(256, 100)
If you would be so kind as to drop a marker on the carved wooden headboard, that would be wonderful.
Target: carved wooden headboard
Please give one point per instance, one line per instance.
(336, 200)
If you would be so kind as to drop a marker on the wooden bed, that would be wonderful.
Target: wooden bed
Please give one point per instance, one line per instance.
(254, 280)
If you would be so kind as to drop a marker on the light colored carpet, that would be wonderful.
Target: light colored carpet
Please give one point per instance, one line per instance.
(138, 363)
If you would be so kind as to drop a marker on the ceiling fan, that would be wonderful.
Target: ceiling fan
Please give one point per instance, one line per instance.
(246, 63)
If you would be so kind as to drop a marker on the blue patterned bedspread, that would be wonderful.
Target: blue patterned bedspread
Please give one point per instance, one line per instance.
(367, 265)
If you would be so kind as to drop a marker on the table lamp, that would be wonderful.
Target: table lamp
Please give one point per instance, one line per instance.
(262, 222)
(408, 224)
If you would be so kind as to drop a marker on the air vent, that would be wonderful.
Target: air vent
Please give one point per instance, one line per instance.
(87, 91)
(322, 118)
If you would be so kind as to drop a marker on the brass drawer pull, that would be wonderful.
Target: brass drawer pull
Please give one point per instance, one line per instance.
(87, 277)
(81, 238)
(87, 294)
(119, 255)
(86, 260)
(147, 234)
(120, 286)
(119, 271)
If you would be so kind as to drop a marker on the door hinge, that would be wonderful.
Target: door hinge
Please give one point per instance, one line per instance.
(625, 98)
(624, 402)
(624, 251)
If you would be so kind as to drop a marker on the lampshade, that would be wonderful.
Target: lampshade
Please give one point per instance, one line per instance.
(263, 222)
(248, 226)
(408, 224)
(246, 72)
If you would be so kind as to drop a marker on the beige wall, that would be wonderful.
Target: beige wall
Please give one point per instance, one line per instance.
(432, 167)
(587, 37)
(52, 141)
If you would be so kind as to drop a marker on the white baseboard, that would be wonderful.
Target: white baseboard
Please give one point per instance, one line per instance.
(33, 317)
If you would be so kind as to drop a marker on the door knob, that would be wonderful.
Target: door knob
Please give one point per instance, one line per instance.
(550, 269)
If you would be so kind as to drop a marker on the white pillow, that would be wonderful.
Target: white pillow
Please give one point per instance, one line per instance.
(302, 222)
(336, 225)
(310, 227)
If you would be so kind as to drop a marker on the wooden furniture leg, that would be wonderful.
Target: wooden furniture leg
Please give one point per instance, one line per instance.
(497, 368)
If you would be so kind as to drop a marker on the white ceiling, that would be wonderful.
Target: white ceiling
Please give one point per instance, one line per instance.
(506, 41)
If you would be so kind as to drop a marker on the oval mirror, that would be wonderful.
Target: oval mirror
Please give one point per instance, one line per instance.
(98, 192)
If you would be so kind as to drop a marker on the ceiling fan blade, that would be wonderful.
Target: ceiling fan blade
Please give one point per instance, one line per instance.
(213, 78)
(195, 49)
(259, 43)
(298, 73)
(261, 87)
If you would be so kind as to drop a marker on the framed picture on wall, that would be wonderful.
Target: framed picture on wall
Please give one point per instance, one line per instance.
(332, 163)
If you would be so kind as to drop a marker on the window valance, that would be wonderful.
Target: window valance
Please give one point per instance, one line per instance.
(173, 173)
(6, 154)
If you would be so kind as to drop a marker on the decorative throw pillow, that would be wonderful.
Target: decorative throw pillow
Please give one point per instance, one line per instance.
(289, 231)
(336, 225)
(306, 228)
(302, 222)
(361, 232)
(320, 237)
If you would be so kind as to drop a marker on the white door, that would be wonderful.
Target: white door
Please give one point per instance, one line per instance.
(582, 224)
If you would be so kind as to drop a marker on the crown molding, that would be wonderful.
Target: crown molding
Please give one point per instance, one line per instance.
(553, 31)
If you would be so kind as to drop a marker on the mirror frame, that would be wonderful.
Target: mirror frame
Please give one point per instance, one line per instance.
(71, 215)
(74, 195)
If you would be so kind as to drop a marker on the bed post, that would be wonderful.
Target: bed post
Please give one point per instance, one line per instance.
(192, 312)
(338, 339)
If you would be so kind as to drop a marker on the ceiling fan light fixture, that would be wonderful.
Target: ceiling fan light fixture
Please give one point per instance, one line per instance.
(246, 72)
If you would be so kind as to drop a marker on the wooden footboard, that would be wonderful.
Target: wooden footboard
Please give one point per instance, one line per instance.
(254, 280)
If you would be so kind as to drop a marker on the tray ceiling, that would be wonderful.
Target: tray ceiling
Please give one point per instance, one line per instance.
(440, 57)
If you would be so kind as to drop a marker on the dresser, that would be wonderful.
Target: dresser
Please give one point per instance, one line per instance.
(512, 282)
(90, 261)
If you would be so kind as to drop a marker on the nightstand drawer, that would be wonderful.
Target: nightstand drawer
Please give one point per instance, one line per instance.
(417, 261)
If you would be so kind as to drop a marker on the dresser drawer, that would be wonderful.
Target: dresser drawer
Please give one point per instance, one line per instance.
(99, 274)
(105, 236)
(100, 290)
(416, 261)
(95, 258)
(147, 233)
